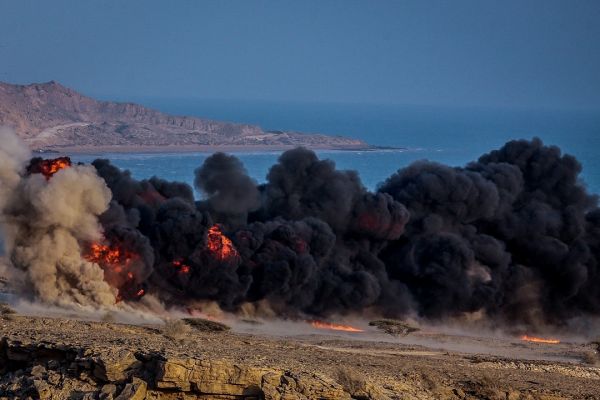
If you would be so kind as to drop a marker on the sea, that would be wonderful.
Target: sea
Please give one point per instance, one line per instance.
(448, 135)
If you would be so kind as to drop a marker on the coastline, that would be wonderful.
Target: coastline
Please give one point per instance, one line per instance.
(199, 149)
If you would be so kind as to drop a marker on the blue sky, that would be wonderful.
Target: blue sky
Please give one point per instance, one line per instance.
(521, 53)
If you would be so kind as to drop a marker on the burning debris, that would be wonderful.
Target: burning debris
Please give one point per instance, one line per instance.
(513, 236)
(534, 339)
(335, 327)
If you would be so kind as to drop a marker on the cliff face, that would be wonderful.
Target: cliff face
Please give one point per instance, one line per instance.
(49, 115)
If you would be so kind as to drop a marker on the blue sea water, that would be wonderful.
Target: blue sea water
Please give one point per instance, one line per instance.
(452, 136)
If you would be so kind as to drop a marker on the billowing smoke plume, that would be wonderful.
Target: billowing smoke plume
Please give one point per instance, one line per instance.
(231, 194)
(513, 236)
(45, 220)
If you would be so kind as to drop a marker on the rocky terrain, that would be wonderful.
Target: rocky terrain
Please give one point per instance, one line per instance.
(50, 116)
(74, 359)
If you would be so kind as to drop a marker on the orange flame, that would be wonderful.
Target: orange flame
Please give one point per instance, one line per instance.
(182, 268)
(112, 257)
(334, 327)
(220, 245)
(116, 263)
(539, 340)
(50, 166)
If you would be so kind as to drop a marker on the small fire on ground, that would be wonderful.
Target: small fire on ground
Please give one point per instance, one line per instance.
(539, 340)
(334, 327)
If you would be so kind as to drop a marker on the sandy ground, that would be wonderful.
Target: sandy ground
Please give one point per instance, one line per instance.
(431, 363)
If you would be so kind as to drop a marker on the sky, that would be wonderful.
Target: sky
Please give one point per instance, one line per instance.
(512, 53)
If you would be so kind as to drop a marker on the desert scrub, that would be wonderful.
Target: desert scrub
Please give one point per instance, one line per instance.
(176, 329)
(108, 317)
(6, 310)
(206, 325)
(393, 327)
(592, 356)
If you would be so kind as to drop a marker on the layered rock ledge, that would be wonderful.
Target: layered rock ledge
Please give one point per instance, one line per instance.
(50, 371)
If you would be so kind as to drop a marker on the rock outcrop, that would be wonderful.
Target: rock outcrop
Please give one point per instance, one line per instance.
(51, 116)
(63, 358)
(49, 371)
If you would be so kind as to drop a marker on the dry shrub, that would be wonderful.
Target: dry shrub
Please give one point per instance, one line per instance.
(591, 357)
(108, 317)
(393, 327)
(490, 388)
(352, 382)
(251, 321)
(176, 329)
(206, 325)
(6, 310)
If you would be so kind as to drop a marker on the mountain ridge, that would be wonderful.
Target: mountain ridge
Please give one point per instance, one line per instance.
(54, 117)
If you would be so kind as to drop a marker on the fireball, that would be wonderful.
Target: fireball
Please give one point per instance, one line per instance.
(219, 245)
(117, 264)
(48, 167)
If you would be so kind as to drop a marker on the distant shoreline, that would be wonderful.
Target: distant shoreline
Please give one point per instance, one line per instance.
(199, 149)
(52, 117)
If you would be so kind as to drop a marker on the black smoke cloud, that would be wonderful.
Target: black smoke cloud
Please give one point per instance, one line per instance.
(514, 235)
(509, 234)
(230, 192)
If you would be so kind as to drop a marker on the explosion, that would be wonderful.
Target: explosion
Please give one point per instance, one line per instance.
(509, 234)
(539, 340)
(45, 223)
(118, 266)
(219, 245)
(334, 327)
(107, 256)
(48, 167)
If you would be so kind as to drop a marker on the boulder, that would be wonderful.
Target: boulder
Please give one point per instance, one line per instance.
(108, 392)
(174, 374)
(42, 389)
(302, 386)
(136, 390)
(220, 377)
(115, 365)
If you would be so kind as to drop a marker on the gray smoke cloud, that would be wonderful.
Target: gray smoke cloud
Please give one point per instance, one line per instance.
(45, 221)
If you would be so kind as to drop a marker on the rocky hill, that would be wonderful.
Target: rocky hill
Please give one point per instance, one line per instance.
(51, 116)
